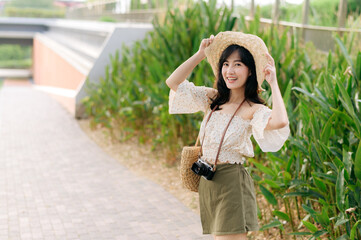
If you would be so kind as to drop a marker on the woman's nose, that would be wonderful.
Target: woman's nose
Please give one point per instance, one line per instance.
(230, 69)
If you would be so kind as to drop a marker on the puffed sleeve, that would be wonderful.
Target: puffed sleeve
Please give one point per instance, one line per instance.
(189, 98)
(268, 140)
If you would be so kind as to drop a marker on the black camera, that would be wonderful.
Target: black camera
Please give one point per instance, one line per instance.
(203, 168)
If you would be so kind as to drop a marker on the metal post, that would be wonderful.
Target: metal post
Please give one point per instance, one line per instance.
(342, 12)
(252, 9)
(306, 7)
(276, 12)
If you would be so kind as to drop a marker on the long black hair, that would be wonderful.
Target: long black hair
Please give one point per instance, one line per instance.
(251, 84)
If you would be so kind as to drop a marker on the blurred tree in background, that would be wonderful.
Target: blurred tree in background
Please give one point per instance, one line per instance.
(34, 9)
(32, 3)
(15, 56)
(354, 7)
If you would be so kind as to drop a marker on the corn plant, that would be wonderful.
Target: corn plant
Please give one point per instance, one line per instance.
(316, 179)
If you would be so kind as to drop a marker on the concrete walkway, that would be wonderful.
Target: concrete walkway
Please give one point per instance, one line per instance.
(55, 183)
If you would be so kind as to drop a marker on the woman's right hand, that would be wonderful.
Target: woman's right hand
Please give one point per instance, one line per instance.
(181, 73)
(205, 43)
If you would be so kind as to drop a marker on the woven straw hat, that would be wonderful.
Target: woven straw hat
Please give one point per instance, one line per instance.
(252, 43)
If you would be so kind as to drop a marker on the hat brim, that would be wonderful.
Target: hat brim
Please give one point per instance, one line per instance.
(252, 43)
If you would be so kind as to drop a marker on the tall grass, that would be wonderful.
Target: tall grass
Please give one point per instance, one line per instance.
(313, 183)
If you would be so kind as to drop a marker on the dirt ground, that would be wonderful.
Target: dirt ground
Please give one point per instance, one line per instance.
(146, 163)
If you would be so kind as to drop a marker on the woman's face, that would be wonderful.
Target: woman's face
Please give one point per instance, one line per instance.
(234, 72)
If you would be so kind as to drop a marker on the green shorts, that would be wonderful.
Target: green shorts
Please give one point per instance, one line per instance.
(228, 202)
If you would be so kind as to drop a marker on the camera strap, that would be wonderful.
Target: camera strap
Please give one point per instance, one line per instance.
(224, 132)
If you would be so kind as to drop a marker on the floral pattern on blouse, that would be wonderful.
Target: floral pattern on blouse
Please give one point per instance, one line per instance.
(237, 144)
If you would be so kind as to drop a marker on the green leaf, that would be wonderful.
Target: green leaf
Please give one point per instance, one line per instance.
(309, 209)
(316, 99)
(300, 233)
(281, 215)
(320, 233)
(307, 193)
(263, 168)
(338, 163)
(358, 162)
(287, 177)
(343, 237)
(326, 129)
(268, 195)
(272, 184)
(341, 222)
(345, 54)
(358, 67)
(347, 162)
(275, 223)
(309, 226)
(288, 59)
(340, 190)
(323, 218)
(344, 117)
(325, 176)
(347, 104)
(319, 183)
(353, 230)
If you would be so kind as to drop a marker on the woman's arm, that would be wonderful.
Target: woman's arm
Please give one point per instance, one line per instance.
(181, 73)
(279, 118)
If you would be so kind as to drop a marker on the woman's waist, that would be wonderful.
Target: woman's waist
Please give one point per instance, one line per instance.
(225, 157)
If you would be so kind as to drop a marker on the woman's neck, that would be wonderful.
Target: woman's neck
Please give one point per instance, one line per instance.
(236, 95)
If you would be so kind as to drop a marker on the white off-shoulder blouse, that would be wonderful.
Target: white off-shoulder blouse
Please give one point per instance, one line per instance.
(237, 142)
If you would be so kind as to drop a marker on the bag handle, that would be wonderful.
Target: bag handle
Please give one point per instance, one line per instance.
(224, 132)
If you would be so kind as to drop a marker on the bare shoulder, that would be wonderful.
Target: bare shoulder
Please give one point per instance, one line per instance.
(255, 107)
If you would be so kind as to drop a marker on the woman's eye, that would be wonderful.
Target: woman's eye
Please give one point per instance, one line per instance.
(225, 64)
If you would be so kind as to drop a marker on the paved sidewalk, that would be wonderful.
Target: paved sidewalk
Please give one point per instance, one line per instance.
(55, 183)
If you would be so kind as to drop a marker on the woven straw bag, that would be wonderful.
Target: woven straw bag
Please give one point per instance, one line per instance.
(190, 155)
(190, 180)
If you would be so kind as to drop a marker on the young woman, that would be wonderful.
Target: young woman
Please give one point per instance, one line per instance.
(240, 63)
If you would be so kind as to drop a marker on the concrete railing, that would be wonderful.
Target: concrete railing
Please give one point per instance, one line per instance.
(140, 16)
(67, 54)
(321, 37)
(19, 30)
(117, 10)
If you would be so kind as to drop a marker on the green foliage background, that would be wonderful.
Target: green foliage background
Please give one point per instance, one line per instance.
(34, 9)
(15, 56)
(32, 3)
(313, 183)
(321, 12)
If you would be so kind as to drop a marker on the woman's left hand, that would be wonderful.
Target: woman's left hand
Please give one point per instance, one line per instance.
(270, 71)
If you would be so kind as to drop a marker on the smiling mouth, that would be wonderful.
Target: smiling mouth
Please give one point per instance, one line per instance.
(231, 79)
